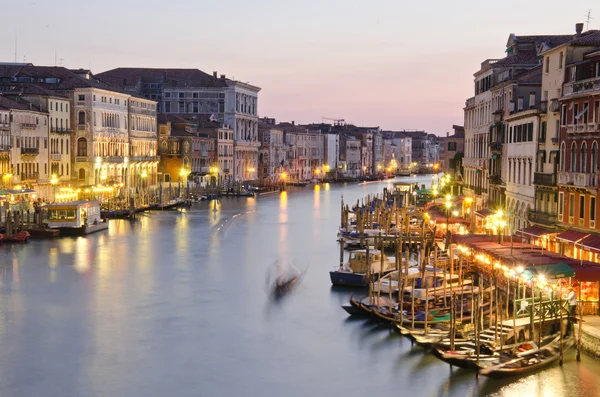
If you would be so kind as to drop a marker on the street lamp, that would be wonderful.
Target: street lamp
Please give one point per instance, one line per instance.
(53, 182)
(144, 175)
(448, 206)
(499, 224)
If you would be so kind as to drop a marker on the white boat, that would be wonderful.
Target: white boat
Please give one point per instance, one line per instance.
(354, 272)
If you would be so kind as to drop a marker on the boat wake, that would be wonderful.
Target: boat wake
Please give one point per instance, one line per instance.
(225, 224)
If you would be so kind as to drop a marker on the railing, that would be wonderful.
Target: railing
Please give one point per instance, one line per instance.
(143, 158)
(30, 150)
(577, 179)
(470, 102)
(473, 162)
(204, 154)
(577, 87)
(495, 180)
(496, 146)
(55, 156)
(81, 127)
(546, 309)
(544, 106)
(542, 179)
(555, 139)
(554, 105)
(60, 130)
(30, 176)
(581, 127)
(113, 159)
(28, 126)
(4, 148)
(541, 217)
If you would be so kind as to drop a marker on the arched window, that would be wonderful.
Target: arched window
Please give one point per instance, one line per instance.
(81, 117)
(81, 174)
(583, 158)
(594, 162)
(561, 156)
(82, 147)
(186, 147)
(573, 157)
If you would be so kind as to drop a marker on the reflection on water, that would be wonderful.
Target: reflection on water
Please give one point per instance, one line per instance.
(174, 303)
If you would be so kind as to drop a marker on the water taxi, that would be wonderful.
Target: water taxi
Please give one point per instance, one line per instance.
(76, 217)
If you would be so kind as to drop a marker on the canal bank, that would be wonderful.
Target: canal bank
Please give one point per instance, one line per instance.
(175, 303)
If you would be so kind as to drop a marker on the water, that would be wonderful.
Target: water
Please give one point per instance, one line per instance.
(175, 304)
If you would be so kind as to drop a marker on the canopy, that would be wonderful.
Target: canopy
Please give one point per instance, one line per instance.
(571, 236)
(4, 192)
(484, 212)
(22, 191)
(533, 231)
(551, 271)
(590, 243)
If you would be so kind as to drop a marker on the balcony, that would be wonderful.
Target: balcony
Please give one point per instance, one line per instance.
(555, 106)
(30, 151)
(496, 147)
(81, 159)
(81, 127)
(140, 159)
(55, 156)
(4, 148)
(541, 217)
(542, 179)
(555, 139)
(577, 179)
(578, 87)
(113, 159)
(495, 180)
(30, 176)
(204, 153)
(60, 130)
(28, 126)
(544, 106)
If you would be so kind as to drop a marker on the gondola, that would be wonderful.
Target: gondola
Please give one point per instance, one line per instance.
(518, 364)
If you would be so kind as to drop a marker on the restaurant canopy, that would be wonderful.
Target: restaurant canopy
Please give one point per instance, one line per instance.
(590, 243)
(551, 271)
(533, 231)
(484, 212)
(571, 236)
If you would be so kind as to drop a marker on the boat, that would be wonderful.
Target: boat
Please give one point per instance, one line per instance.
(76, 217)
(524, 362)
(19, 237)
(365, 306)
(286, 278)
(171, 205)
(354, 273)
(404, 173)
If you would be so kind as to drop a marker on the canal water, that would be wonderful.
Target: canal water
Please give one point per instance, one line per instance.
(175, 304)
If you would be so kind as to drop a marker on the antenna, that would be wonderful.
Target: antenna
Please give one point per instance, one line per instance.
(589, 18)
(61, 61)
(15, 46)
(54, 56)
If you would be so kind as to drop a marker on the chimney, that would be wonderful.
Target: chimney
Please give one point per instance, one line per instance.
(293, 122)
(222, 77)
(578, 28)
(215, 74)
(447, 134)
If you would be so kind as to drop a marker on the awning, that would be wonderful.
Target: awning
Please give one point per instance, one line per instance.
(587, 273)
(533, 231)
(571, 236)
(22, 191)
(578, 116)
(552, 271)
(484, 212)
(590, 243)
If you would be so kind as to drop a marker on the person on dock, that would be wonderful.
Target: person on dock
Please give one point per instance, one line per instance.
(572, 301)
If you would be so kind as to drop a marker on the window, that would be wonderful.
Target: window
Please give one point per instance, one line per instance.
(181, 95)
(181, 107)
(51, 105)
(561, 202)
(66, 107)
(61, 107)
(82, 147)
(581, 207)
(81, 117)
(547, 67)
(573, 157)
(542, 132)
(81, 174)
(594, 158)
(167, 95)
(530, 132)
(563, 115)
(585, 113)
(596, 112)
(583, 157)
(576, 114)
(167, 107)
(571, 205)
(81, 97)
(560, 60)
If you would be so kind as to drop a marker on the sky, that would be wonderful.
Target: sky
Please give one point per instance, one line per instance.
(394, 64)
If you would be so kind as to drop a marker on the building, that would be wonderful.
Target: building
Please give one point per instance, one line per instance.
(272, 157)
(579, 173)
(453, 150)
(28, 149)
(194, 94)
(352, 157)
(222, 165)
(480, 120)
(331, 150)
(5, 170)
(305, 151)
(143, 142)
(545, 178)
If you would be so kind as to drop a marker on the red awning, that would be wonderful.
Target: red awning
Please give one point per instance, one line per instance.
(590, 243)
(587, 273)
(571, 236)
(533, 231)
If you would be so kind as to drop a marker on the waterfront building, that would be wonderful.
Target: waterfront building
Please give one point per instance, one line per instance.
(453, 147)
(553, 77)
(194, 94)
(272, 157)
(579, 173)
(378, 163)
(331, 150)
(305, 151)
(28, 152)
(143, 143)
(5, 171)
(222, 165)
(521, 55)
(352, 157)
